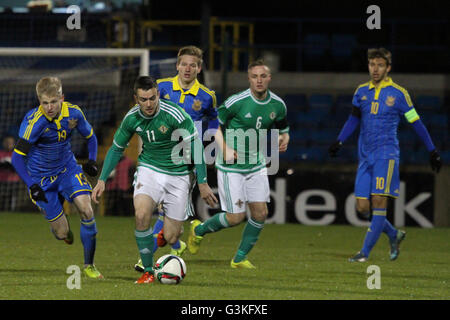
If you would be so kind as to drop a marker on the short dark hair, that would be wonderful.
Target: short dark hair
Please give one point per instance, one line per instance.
(144, 83)
(380, 53)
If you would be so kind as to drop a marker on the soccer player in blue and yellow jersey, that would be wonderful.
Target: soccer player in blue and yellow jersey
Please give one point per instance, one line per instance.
(44, 160)
(378, 106)
(199, 102)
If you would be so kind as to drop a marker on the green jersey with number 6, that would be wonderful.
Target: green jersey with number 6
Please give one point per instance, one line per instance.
(245, 120)
(161, 135)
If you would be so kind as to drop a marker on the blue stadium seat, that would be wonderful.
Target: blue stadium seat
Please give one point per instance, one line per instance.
(299, 137)
(445, 156)
(310, 154)
(324, 101)
(439, 121)
(296, 101)
(77, 98)
(426, 102)
(317, 45)
(323, 137)
(344, 101)
(303, 119)
(342, 46)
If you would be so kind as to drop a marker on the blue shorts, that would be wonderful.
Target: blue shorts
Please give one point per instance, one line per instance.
(377, 177)
(69, 183)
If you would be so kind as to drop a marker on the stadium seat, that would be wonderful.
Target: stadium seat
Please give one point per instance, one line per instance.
(425, 102)
(324, 101)
(303, 120)
(296, 102)
(344, 102)
(299, 137)
(77, 98)
(323, 137)
(342, 46)
(316, 45)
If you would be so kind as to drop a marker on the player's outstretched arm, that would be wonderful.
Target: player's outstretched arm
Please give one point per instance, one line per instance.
(349, 127)
(112, 158)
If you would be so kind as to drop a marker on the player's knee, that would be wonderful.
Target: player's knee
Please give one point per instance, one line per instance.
(362, 205)
(379, 201)
(260, 215)
(61, 233)
(87, 212)
(235, 218)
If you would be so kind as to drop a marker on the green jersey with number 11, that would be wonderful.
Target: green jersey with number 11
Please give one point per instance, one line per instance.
(159, 151)
(244, 119)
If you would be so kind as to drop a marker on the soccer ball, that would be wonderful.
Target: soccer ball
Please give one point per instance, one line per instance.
(170, 269)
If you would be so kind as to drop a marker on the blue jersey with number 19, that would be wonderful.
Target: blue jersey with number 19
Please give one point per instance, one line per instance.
(50, 138)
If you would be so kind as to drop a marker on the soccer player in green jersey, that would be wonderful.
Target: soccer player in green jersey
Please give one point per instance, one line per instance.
(162, 175)
(200, 103)
(241, 167)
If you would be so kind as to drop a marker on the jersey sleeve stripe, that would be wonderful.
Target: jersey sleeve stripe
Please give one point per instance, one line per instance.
(73, 106)
(278, 99)
(175, 110)
(172, 111)
(405, 93)
(19, 152)
(191, 137)
(27, 133)
(172, 114)
(90, 134)
(117, 145)
(228, 103)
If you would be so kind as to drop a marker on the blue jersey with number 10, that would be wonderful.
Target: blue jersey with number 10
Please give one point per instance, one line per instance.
(381, 111)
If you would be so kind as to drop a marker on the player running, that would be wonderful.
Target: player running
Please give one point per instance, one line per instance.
(163, 176)
(200, 103)
(44, 160)
(378, 106)
(241, 167)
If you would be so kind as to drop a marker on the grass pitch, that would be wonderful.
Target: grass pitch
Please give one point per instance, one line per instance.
(294, 262)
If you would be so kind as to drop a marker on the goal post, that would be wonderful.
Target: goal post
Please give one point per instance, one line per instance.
(98, 80)
(143, 54)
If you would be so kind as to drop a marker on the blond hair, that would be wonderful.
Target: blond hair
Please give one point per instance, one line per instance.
(191, 51)
(49, 86)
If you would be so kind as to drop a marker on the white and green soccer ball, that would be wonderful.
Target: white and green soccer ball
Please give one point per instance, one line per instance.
(170, 269)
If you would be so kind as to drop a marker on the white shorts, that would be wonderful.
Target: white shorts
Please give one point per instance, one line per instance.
(236, 189)
(173, 192)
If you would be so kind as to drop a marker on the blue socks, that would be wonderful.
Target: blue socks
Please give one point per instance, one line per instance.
(376, 228)
(88, 232)
(390, 230)
(157, 228)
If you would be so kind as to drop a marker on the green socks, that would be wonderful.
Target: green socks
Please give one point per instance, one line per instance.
(144, 240)
(213, 224)
(249, 237)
